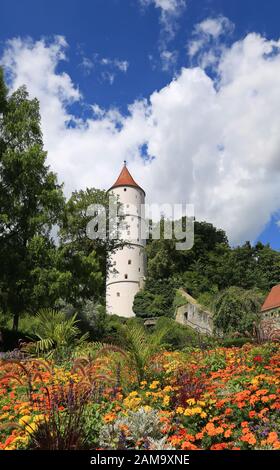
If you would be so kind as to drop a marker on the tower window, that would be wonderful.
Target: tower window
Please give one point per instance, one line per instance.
(129, 261)
(139, 269)
(125, 276)
(124, 189)
(118, 294)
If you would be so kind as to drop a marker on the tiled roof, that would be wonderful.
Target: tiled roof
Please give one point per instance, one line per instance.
(125, 179)
(273, 299)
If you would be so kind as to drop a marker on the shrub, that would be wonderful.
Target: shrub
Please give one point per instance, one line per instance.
(56, 334)
(237, 342)
(155, 300)
(137, 429)
(236, 310)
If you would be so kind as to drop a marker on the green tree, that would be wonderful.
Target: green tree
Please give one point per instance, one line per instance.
(156, 299)
(86, 259)
(31, 202)
(236, 309)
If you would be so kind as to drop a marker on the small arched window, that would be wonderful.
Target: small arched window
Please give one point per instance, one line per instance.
(125, 276)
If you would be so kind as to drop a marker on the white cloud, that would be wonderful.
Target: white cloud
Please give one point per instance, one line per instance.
(170, 11)
(214, 26)
(170, 7)
(216, 145)
(168, 59)
(206, 43)
(87, 64)
(90, 64)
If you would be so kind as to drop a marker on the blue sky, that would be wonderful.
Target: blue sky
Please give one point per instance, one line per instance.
(121, 28)
(120, 52)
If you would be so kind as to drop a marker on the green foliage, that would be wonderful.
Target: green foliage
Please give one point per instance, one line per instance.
(180, 337)
(179, 300)
(141, 345)
(99, 325)
(237, 309)
(234, 342)
(38, 273)
(84, 258)
(215, 360)
(31, 202)
(207, 271)
(155, 300)
(55, 334)
(3, 93)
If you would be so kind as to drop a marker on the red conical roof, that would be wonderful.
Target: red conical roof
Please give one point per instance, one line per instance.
(273, 299)
(125, 179)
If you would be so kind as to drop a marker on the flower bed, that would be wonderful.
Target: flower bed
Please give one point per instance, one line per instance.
(227, 398)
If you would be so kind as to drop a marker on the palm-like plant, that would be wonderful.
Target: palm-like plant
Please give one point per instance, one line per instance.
(55, 332)
(142, 346)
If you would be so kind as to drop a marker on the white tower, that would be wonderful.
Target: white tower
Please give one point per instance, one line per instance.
(128, 263)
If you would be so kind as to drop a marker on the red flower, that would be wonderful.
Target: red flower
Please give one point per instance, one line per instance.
(258, 358)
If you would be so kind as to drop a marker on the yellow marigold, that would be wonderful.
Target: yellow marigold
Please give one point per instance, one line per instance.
(180, 410)
(32, 427)
(24, 411)
(191, 401)
(197, 410)
(147, 408)
(203, 414)
(39, 418)
(188, 412)
(201, 403)
(133, 394)
(154, 384)
(166, 400)
(24, 420)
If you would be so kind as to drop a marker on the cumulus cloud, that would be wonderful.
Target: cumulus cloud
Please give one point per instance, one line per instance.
(212, 143)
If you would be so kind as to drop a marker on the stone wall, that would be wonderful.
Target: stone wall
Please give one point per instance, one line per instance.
(192, 314)
(269, 327)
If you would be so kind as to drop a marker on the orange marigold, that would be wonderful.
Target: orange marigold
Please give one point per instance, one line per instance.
(272, 437)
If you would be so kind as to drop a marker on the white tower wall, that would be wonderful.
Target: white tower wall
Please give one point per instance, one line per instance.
(128, 266)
